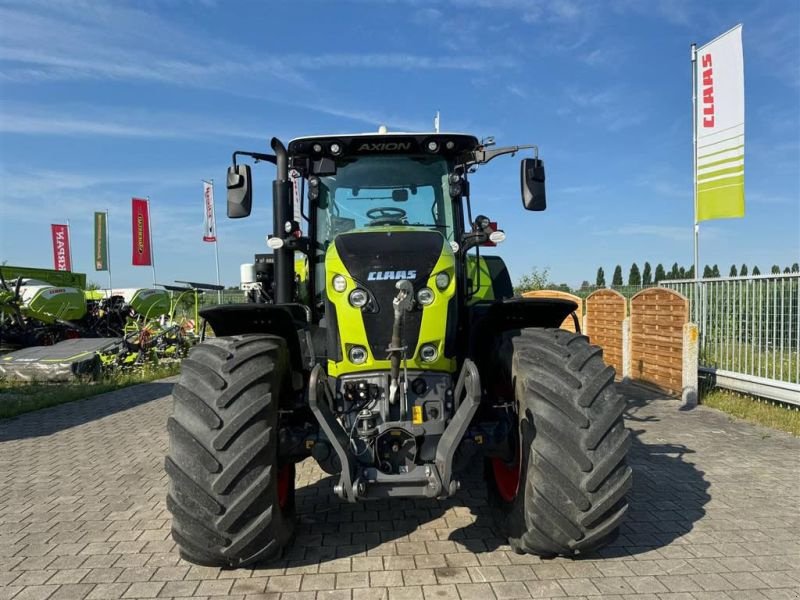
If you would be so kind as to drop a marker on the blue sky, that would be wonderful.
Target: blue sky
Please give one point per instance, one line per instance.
(103, 101)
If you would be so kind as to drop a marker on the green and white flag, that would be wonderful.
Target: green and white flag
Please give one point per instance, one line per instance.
(719, 79)
(100, 241)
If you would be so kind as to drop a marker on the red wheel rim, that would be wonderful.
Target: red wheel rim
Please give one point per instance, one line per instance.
(506, 478)
(285, 477)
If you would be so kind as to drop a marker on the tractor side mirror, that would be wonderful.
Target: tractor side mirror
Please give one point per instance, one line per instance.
(240, 194)
(532, 181)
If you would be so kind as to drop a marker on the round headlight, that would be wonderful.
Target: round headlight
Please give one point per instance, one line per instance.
(339, 283)
(336, 149)
(317, 148)
(433, 146)
(428, 353)
(425, 296)
(358, 298)
(450, 145)
(357, 355)
(442, 280)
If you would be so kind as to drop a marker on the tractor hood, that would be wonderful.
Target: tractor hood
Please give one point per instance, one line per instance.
(375, 260)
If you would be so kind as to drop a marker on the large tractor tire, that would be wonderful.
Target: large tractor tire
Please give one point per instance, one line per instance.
(232, 502)
(565, 494)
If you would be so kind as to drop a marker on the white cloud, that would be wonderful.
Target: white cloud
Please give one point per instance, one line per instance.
(613, 108)
(120, 122)
(114, 42)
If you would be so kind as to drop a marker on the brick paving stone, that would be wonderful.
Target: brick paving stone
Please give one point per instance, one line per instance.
(475, 591)
(178, 589)
(82, 515)
(386, 579)
(579, 586)
(321, 581)
(144, 590)
(72, 591)
(334, 595)
(545, 589)
(509, 590)
(412, 592)
(213, 587)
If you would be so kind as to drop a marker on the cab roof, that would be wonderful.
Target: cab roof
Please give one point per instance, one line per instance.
(390, 142)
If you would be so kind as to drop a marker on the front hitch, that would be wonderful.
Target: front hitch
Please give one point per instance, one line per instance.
(423, 481)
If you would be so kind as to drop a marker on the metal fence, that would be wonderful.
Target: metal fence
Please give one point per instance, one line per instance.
(749, 331)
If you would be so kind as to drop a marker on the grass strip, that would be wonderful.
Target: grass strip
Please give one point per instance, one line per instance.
(755, 410)
(17, 398)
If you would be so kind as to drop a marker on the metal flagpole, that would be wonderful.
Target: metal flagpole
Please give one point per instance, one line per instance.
(696, 229)
(216, 241)
(152, 253)
(108, 255)
(69, 246)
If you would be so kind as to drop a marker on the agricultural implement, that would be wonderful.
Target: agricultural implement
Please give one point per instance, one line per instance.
(393, 355)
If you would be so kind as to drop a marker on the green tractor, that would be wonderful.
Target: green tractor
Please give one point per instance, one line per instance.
(396, 358)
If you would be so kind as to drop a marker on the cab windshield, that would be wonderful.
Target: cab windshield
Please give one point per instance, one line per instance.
(375, 191)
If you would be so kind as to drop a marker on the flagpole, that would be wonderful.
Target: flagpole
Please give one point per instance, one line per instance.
(108, 254)
(69, 246)
(214, 221)
(696, 228)
(216, 242)
(152, 253)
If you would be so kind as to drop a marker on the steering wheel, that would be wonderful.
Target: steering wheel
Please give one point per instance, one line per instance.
(386, 215)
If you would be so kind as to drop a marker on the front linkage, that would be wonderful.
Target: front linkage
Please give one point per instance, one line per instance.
(434, 480)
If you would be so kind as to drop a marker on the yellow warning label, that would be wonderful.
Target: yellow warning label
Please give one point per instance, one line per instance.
(416, 415)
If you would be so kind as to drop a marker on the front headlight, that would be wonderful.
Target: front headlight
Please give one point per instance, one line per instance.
(442, 280)
(339, 283)
(428, 353)
(357, 355)
(358, 298)
(425, 296)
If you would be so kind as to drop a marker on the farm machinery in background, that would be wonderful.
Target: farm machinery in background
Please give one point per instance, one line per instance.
(116, 329)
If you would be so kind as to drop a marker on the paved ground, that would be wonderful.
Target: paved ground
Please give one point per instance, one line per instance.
(714, 516)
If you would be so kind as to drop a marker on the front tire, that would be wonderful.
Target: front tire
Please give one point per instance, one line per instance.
(565, 494)
(232, 502)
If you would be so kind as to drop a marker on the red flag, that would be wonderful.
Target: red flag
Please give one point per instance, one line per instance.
(140, 222)
(62, 258)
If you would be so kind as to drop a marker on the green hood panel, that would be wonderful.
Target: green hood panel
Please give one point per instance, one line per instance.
(374, 260)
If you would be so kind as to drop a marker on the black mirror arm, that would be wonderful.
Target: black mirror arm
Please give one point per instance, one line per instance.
(472, 239)
(258, 156)
(299, 244)
(483, 156)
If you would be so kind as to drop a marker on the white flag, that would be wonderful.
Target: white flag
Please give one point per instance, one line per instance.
(720, 127)
(209, 221)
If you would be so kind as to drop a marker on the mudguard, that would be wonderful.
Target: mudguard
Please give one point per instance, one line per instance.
(492, 318)
(284, 320)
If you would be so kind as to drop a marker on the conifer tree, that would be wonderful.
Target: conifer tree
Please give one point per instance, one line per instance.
(647, 274)
(601, 278)
(634, 277)
(660, 274)
(616, 280)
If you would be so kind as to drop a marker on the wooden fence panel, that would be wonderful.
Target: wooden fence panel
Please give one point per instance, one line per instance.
(657, 319)
(605, 312)
(569, 322)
